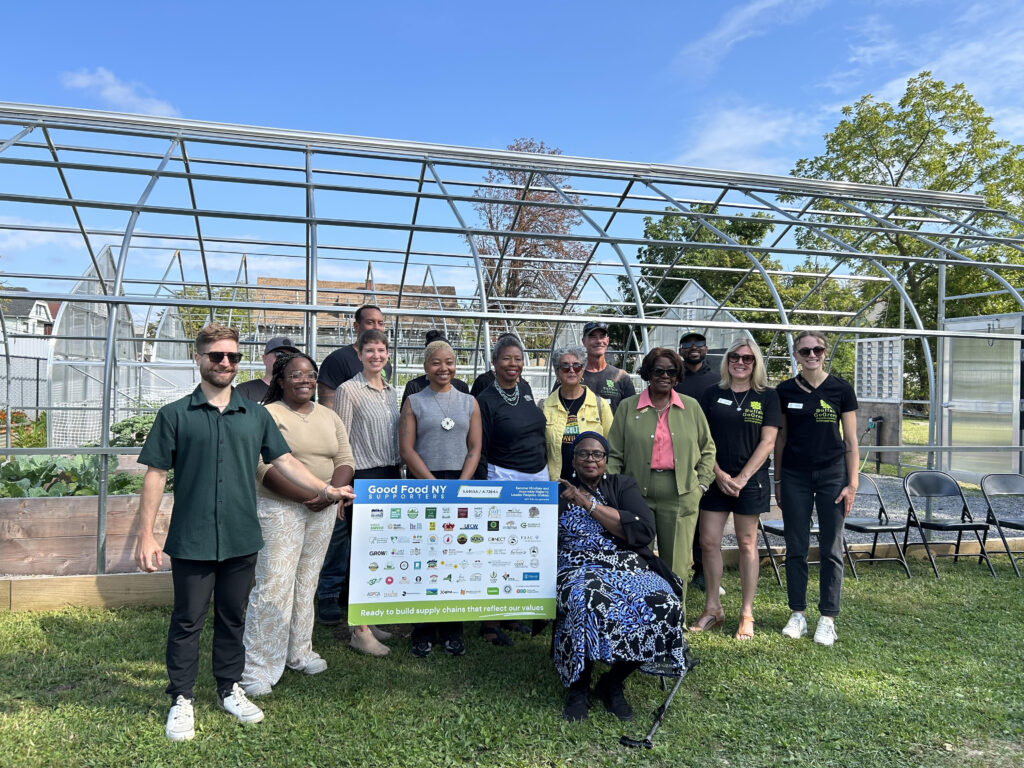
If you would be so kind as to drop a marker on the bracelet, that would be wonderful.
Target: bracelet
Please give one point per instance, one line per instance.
(778, 482)
(323, 492)
(593, 504)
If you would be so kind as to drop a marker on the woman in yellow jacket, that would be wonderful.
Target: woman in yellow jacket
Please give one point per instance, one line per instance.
(571, 410)
(662, 440)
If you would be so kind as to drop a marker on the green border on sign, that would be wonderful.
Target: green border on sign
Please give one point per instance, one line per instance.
(427, 611)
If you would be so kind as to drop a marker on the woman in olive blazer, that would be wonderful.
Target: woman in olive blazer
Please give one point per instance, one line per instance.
(662, 440)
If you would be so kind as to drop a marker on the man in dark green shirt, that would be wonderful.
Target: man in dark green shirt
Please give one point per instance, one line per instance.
(212, 439)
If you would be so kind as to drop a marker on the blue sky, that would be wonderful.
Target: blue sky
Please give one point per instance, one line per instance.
(749, 85)
(740, 85)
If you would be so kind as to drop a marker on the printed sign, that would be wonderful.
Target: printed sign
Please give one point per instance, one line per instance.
(452, 550)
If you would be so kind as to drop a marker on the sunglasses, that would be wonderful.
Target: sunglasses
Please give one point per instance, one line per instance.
(302, 376)
(745, 359)
(807, 351)
(595, 455)
(570, 367)
(670, 372)
(234, 358)
(691, 344)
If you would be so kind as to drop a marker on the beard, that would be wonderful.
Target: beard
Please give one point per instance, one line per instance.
(219, 379)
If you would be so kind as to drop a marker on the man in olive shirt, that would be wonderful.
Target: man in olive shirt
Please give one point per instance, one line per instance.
(212, 439)
(605, 380)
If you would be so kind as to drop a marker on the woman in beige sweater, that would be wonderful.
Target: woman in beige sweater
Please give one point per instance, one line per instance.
(296, 530)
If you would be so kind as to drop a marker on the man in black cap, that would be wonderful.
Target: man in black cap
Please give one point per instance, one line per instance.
(605, 380)
(697, 374)
(420, 382)
(256, 389)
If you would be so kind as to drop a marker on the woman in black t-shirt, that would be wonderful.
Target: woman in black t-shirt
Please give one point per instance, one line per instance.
(743, 413)
(815, 467)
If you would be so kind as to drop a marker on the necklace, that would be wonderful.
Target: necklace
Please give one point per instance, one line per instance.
(567, 403)
(447, 423)
(740, 403)
(513, 399)
(304, 417)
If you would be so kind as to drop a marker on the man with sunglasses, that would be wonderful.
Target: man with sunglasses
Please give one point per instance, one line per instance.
(213, 439)
(697, 377)
(603, 379)
(256, 389)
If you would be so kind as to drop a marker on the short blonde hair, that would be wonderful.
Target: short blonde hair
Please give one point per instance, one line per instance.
(213, 333)
(433, 347)
(758, 376)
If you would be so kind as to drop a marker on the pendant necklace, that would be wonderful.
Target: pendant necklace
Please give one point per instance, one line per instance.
(513, 399)
(447, 423)
(304, 417)
(739, 403)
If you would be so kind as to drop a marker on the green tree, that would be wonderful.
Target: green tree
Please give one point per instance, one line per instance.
(936, 137)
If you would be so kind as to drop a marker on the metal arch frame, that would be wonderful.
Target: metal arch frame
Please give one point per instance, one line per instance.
(108, 363)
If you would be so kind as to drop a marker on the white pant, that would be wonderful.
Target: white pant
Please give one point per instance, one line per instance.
(279, 622)
(494, 472)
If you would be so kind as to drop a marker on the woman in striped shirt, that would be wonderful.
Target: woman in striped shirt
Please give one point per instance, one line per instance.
(368, 406)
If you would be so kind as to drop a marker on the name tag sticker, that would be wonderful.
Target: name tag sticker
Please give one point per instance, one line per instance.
(795, 406)
(723, 401)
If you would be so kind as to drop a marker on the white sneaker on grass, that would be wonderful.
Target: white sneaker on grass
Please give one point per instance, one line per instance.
(796, 627)
(180, 720)
(257, 688)
(314, 666)
(236, 703)
(825, 633)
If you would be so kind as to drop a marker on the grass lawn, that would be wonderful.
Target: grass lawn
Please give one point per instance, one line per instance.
(926, 672)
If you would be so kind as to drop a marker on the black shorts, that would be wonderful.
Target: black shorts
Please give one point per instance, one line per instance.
(753, 499)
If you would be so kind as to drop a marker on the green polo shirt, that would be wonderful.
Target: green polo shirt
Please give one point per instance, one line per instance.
(214, 456)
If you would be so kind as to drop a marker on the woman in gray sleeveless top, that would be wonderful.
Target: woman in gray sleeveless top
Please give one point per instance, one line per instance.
(439, 437)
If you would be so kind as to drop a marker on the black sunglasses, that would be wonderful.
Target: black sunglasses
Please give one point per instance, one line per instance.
(670, 372)
(806, 351)
(735, 358)
(215, 357)
(570, 366)
(689, 344)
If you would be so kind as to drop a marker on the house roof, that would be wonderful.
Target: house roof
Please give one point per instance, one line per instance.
(17, 307)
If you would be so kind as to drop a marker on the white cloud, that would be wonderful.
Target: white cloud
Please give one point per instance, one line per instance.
(118, 94)
(753, 139)
(754, 19)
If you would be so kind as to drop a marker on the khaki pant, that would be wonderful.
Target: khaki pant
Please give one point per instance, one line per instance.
(675, 516)
(279, 622)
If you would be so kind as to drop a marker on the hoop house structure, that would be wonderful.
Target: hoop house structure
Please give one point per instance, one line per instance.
(151, 226)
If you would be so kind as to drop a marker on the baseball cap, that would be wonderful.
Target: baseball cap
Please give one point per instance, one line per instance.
(692, 333)
(279, 342)
(594, 325)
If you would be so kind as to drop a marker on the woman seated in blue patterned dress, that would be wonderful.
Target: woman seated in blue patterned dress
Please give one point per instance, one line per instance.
(614, 603)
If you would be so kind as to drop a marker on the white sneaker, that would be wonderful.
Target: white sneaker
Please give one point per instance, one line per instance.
(315, 666)
(180, 720)
(825, 633)
(235, 703)
(796, 627)
(721, 591)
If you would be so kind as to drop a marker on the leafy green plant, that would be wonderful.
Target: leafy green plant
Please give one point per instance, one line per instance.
(30, 434)
(38, 476)
(131, 432)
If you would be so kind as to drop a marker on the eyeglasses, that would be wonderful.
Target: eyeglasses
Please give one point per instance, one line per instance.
(745, 359)
(670, 372)
(302, 376)
(570, 367)
(595, 455)
(807, 351)
(234, 358)
(691, 344)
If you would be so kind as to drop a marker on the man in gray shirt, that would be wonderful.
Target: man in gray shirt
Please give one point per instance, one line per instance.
(605, 380)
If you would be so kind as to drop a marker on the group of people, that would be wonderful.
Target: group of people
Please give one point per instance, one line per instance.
(636, 472)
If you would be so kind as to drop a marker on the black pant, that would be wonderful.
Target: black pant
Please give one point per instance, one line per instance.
(195, 581)
(803, 491)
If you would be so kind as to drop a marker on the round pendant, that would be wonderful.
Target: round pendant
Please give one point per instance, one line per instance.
(447, 423)
(738, 408)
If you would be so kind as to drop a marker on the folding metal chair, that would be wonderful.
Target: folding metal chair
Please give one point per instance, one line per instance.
(876, 525)
(1012, 485)
(778, 528)
(930, 484)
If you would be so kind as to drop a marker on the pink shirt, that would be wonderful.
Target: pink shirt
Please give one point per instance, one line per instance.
(662, 456)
